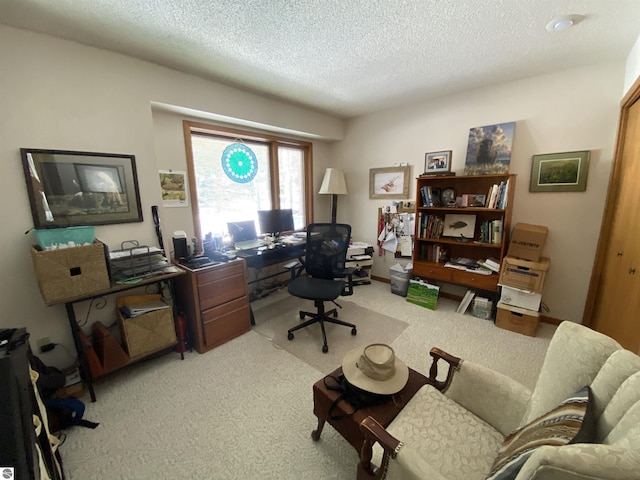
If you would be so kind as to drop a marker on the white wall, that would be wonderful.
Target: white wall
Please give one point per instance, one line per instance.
(632, 71)
(569, 110)
(61, 95)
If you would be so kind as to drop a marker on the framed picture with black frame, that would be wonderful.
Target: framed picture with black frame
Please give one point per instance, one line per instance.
(69, 188)
(437, 163)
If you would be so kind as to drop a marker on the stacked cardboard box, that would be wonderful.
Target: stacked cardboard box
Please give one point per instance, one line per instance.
(522, 278)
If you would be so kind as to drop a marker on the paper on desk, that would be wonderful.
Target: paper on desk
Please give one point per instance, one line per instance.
(359, 245)
(390, 243)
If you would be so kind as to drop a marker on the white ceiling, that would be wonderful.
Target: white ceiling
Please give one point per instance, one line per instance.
(344, 57)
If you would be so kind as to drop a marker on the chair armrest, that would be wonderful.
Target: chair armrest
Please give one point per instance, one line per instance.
(399, 461)
(495, 398)
(348, 274)
(454, 365)
(374, 432)
(582, 461)
(295, 267)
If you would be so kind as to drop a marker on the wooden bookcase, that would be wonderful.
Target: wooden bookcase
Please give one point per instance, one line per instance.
(424, 265)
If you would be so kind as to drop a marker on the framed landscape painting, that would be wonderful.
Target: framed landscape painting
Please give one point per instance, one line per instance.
(560, 172)
(69, 188)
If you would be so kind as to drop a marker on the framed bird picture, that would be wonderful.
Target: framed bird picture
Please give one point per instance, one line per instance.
(459, 226)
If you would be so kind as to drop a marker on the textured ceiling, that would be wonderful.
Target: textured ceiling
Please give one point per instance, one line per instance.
(344, 57)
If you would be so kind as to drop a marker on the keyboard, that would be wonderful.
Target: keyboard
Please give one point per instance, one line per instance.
(249, 244)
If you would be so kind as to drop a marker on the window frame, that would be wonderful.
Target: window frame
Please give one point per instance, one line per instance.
(273, 142)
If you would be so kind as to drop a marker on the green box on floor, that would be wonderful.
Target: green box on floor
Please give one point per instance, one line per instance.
(423, 294)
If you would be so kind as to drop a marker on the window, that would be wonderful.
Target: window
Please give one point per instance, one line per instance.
(283, 178)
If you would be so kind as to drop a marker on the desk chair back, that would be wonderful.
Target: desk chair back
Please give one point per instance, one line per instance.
(326, 249)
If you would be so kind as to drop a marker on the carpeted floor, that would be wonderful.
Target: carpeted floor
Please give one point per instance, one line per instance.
(274, 320)
(244, 410)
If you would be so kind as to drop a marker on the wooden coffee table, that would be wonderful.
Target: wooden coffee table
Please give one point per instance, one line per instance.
(349, 427)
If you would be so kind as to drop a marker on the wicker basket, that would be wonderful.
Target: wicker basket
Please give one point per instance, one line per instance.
(70, 273)
(149, 332)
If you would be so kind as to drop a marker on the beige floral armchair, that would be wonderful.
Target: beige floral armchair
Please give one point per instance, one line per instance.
(455, 428)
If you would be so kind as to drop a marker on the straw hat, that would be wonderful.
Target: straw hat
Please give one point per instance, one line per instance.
(376, 369)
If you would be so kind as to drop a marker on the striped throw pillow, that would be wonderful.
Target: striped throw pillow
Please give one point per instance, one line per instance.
(569, 422)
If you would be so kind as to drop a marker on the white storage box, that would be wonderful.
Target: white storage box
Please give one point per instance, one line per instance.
(520, 298)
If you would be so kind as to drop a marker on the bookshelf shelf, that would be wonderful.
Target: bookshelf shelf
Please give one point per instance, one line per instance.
(432, 251)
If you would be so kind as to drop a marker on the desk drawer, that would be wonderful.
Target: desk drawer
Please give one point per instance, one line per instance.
(221, 285)
(433, 271)
(222, 323)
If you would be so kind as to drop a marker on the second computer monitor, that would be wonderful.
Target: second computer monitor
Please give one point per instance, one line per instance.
(275, 221)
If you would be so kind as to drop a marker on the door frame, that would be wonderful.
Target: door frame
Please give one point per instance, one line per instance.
(628, 100)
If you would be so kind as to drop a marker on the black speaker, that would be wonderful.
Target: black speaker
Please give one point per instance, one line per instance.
(180, 248)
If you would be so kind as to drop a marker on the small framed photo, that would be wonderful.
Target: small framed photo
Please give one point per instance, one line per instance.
(437, 162)
(560, 172)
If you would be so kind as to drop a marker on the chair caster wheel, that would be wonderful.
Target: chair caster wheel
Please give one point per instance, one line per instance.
(290, 336)
(353, 331)
(325, 349)
(335, 314)
(301, 316)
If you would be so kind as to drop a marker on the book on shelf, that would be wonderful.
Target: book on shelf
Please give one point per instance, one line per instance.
(468, 264)
(135, 309)
(491, 231)
(462, 263)
(490, 265)
(466, 301)
(493, 262)
(497, 195)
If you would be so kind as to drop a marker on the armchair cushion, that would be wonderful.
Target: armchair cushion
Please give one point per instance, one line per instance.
(453, 442)
(570, 422)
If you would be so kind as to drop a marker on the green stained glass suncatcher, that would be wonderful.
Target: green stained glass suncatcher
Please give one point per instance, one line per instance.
(239, 163)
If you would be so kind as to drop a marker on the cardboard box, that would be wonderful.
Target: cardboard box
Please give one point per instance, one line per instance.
(527, 241)
(69, 273)
(149, 332)
(523, 274)
(520, 298)
(423, 294)
(517, 320)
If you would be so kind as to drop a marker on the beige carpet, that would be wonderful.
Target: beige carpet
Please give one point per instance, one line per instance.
(244, 410)
(274, 320)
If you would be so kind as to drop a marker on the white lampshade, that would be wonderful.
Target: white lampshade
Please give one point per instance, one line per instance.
(333, 182)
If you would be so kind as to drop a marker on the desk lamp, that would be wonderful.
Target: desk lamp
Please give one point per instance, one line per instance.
(333, 184)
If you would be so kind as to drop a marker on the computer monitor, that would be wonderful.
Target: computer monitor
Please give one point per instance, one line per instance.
(242, 231)
(275, 221)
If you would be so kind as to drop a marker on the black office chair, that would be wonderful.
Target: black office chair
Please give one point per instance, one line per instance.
(327, 278)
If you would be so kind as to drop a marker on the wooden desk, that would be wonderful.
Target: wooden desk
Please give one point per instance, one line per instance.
(259, 258)
(85, 372)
